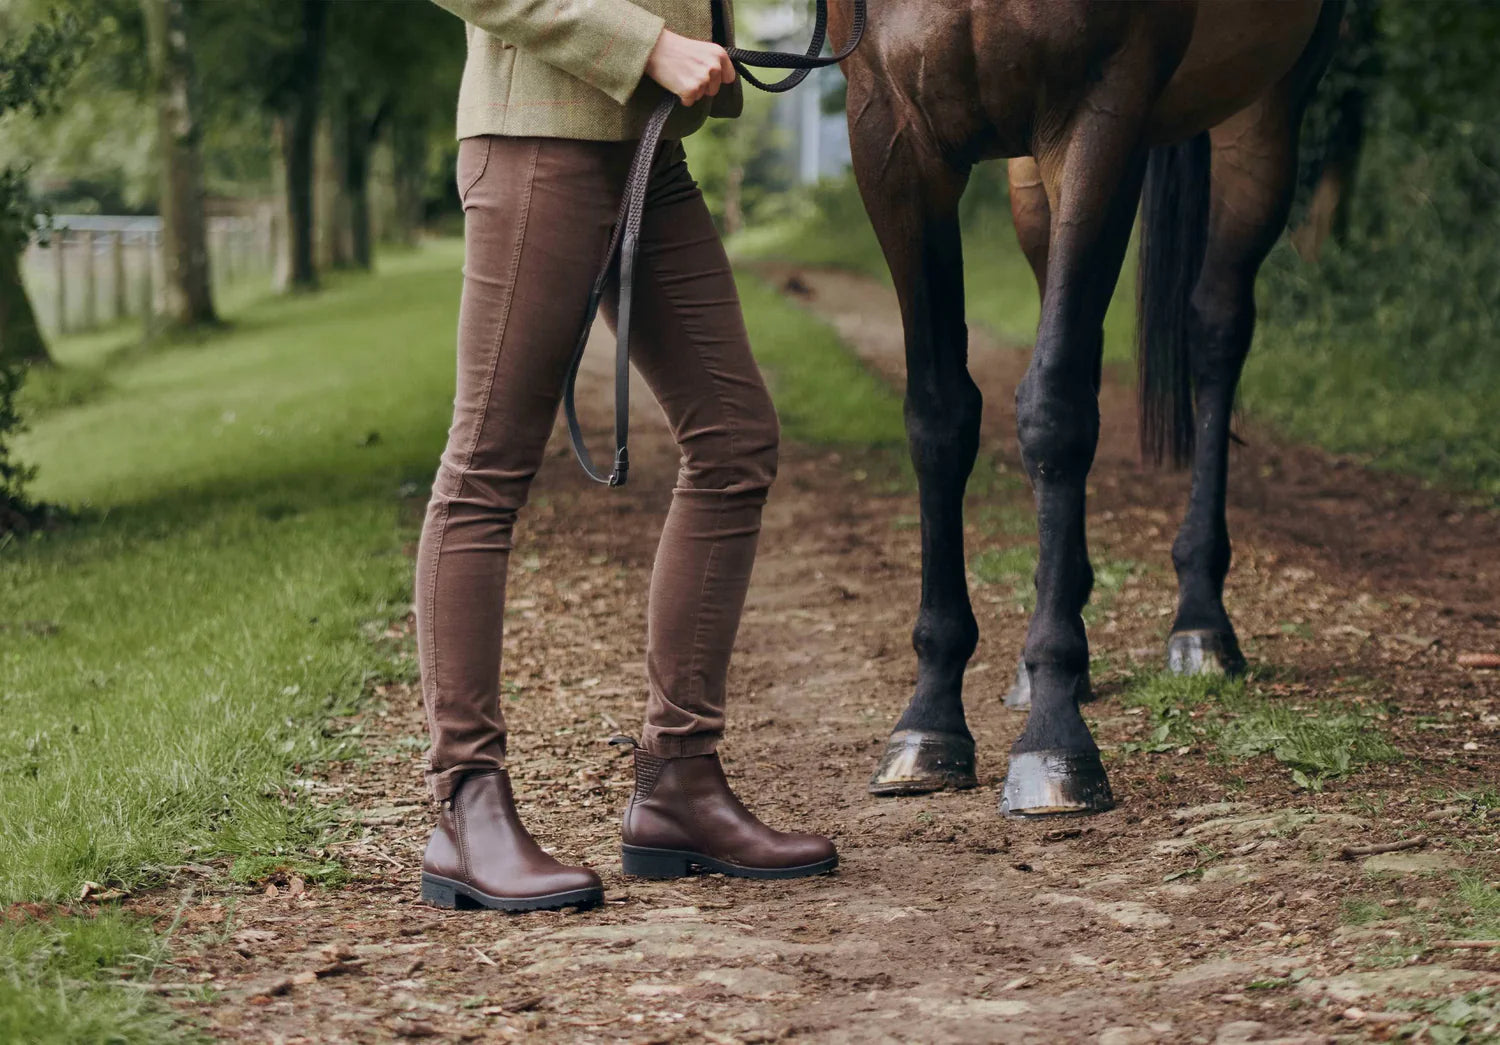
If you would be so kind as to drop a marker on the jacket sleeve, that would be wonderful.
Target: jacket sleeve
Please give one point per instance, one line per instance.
(604, 43)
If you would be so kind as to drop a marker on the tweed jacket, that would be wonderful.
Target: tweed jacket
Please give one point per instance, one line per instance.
(576, 68)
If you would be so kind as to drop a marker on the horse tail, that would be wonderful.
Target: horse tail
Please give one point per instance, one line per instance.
(1174, 235)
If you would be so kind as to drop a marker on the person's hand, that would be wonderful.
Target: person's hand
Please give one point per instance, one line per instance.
(691, 69)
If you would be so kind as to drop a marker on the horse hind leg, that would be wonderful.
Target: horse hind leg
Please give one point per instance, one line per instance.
(1253, 162)
(912, 199)
(1031, 214)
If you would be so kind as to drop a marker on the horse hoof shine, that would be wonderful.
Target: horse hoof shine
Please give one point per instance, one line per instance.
(1204, 652)
(1055, 783)
(918, 762)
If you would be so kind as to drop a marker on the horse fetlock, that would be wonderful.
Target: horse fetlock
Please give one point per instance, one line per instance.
(1055, 722)
(1201, 551)
(945, 638)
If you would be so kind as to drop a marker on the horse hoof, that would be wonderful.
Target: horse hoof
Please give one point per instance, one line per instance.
(1019, 697)
(917, 762)
(1055, 783)
(1203, 652)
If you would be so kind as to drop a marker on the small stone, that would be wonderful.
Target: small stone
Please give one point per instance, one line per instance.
(1410, 863)
(750, 982)
(1126, 1036)
(1239, 1032)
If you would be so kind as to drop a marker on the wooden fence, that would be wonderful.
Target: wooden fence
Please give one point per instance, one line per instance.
(97, 271)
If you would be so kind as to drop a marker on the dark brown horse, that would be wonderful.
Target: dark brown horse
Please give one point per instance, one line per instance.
(1196, 104)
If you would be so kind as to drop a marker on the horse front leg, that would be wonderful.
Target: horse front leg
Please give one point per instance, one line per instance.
(1094, 176)
(912, 198)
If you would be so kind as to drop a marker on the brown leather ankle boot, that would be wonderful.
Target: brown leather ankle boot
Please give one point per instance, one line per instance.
(682, 815)
(481, 856)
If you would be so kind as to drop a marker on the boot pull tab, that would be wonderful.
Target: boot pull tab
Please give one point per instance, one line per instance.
(621, 740)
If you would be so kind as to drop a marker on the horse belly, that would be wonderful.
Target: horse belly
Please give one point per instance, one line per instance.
(1239, 50)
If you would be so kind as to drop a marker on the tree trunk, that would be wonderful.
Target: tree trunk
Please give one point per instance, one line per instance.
(335, 241)
(188, 294)
(20, 336)
(301, 142)
(409, 149)
(358, 149)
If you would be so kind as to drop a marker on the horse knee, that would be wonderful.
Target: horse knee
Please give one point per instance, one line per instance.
(1057, 424)
(942, 430)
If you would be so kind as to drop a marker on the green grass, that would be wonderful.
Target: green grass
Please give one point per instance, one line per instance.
(240, 528)
(1317, 741)
(1479, 903)
(823, 394)
(71, 981)
(172, 658)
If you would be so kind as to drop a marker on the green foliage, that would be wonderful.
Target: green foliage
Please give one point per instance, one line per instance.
(34, 64)
(1387, 346)
(15, 509)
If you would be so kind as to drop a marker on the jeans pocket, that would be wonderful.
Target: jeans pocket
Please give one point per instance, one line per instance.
(473, 161)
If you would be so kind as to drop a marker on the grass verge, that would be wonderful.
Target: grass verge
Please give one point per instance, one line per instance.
(172, 659)
(78, 981)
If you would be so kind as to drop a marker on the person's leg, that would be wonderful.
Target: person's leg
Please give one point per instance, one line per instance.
(538, 215)
(690, 344)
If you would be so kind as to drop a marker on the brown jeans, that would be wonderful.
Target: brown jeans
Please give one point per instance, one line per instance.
(538, 216)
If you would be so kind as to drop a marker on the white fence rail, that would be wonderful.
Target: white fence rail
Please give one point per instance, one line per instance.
(97, 271)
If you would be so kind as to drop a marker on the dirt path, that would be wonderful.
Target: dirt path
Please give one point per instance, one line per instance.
(1210, 906)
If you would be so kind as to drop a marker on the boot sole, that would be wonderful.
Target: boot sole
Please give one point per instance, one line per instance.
(457, 896)
(640, 862)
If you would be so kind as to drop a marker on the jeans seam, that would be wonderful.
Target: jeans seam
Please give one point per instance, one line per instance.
(496, 348)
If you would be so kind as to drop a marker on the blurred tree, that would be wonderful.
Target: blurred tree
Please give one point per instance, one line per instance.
(392, 65)
(189, 294)
(34, 64)
(1335, 130)
(299, 96)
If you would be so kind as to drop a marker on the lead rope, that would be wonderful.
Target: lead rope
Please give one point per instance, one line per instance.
(624, 244)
